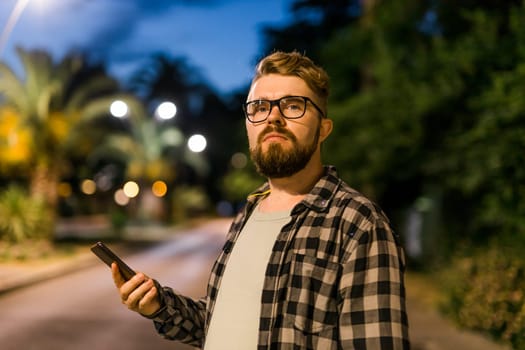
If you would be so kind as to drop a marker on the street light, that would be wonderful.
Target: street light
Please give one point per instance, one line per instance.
(166, 110)
(11, 21)
(118, 109)
(197, 143)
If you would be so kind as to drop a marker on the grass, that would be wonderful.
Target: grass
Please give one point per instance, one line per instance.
(37, 251)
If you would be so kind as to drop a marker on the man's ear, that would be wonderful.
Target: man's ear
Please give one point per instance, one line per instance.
(325, 129)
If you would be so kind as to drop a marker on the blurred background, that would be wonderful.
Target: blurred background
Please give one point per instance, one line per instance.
(126, 114)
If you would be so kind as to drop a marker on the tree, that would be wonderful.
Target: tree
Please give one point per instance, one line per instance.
(410, 82)
(172, 79)
(151, 150)
(52, 101)
(430, 114)
(200, 109)
(314, 22)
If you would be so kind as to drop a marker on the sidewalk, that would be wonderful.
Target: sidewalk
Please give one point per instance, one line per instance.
(21, 274)
(428, 329)
(431, 331)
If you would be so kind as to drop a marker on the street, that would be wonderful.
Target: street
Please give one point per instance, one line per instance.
(82, 310)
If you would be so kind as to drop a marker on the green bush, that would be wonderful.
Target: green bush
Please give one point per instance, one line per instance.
(189, 201)
(118, 220)
(23, 217)
(239, 183)
(486, 292)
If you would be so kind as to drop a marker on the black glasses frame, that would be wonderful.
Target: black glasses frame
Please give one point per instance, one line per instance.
(277, 102)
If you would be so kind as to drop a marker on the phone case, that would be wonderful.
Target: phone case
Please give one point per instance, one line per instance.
(106, 255)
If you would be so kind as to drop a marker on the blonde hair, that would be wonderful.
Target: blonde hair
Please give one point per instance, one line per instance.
(296, 64)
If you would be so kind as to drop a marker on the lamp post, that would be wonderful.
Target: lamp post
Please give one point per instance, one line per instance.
(11, 21)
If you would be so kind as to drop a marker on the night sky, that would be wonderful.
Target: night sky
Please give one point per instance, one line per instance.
(220, 37)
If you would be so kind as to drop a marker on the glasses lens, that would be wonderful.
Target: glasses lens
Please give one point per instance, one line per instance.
(258, 110)
(292, 107)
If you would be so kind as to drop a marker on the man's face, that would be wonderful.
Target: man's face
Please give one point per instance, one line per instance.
(281, 147)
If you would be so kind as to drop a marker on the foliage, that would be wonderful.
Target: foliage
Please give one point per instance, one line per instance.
(238, 183)
(145, 145)
(384, 121)
(312, 23)
(486, 293)
(172, 79)
(15, 141)
(426, 98)
(23, 217)
(27, 250)
(189, 201)
(51, 102)
(442, 113)
(433, 112)
(199, 110)
(479, 158)
(118, 219)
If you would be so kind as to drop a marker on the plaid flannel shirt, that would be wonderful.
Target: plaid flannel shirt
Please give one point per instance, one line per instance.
(335, 279)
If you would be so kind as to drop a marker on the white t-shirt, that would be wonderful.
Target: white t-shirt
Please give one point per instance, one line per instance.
(234, 324)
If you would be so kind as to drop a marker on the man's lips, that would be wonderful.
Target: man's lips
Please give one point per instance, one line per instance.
(274, 136)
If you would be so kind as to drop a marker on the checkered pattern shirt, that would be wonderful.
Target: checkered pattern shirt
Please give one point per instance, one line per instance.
(335, 278)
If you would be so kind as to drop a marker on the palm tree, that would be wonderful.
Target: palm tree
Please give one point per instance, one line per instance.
(143, 145)
(52, 101)
(152, 150)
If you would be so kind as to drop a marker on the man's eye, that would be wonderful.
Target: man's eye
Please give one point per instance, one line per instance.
(260, 107)
(293, 105)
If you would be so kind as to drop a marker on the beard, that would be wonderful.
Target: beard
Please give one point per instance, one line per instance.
(278, 162)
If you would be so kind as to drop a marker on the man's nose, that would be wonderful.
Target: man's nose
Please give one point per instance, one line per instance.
(275, 115)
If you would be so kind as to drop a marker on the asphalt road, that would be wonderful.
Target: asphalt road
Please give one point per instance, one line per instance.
(82, 310)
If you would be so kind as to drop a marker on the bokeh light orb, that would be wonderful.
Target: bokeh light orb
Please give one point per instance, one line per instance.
(88, 186)
(118, 109)
(197, 143)
(159, 188)
(131, 189)
(120, 197)
(239, 160)
(166, 110)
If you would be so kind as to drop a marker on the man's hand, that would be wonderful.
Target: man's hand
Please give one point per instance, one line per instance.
(138, 294)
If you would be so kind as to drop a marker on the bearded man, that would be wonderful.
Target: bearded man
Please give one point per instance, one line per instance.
(309, 262)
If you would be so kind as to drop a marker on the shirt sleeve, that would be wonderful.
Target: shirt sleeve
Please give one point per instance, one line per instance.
(180, 318)
(373, 312)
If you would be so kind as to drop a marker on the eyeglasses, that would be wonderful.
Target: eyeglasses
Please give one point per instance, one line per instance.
(291, 107)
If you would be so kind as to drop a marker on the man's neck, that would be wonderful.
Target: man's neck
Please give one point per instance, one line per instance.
(286, 192)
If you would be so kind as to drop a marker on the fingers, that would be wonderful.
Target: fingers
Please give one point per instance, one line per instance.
(148, 304)
(139, 294)
(134, 288)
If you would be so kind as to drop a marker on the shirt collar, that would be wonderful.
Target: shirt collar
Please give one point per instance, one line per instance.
(317, 199)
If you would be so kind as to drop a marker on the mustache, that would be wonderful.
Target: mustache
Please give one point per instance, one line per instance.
(277, 129)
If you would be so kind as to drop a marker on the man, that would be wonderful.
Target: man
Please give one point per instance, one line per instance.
(309, 263)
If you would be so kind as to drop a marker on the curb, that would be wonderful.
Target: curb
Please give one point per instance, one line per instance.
(17, 276)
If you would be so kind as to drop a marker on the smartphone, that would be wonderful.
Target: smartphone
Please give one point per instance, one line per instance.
(106, 255)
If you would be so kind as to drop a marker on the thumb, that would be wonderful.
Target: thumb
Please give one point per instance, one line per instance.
(117, 276)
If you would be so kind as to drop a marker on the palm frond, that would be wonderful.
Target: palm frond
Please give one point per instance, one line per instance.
(12, 89)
